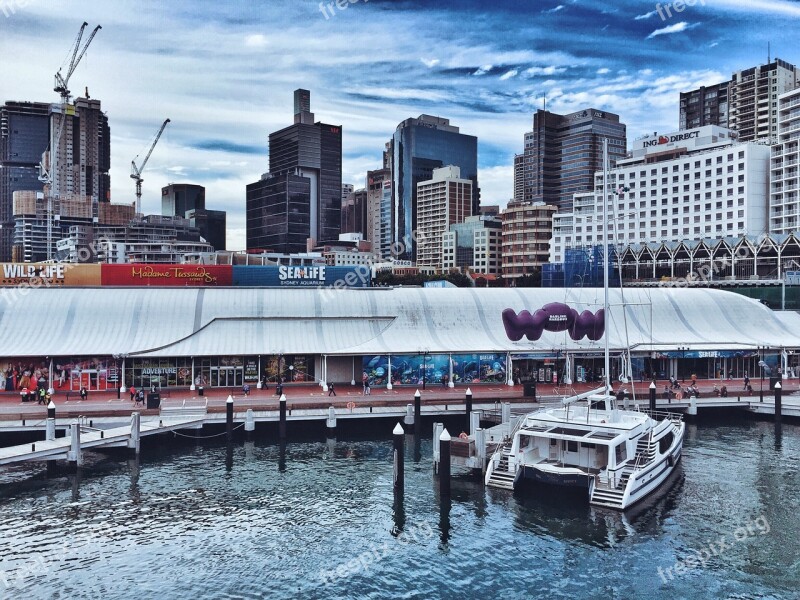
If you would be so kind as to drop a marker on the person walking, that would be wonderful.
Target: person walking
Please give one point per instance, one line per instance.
(279, 389)
(746, 380)
(84, 393)
(133, 393)
(365, 382)
(41, 392)
(246, 389)
(331, 391)
(367, 389)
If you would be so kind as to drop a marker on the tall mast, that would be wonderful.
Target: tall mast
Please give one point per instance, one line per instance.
(606, 315)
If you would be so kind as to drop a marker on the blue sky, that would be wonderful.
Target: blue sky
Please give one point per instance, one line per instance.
(224, 73)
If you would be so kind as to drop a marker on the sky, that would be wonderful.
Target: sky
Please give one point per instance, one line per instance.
(224, 72)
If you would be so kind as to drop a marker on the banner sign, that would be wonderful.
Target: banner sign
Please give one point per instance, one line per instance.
(161, 275)
(302, 276)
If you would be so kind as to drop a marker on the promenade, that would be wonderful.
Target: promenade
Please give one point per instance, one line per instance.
(301, 396)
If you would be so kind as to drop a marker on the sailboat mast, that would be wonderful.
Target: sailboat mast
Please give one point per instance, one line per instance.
(606, 315)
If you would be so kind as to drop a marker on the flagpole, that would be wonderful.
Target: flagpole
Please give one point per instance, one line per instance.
(606, 315)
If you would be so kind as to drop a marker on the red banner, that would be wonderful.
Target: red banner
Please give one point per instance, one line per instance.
(161, 275)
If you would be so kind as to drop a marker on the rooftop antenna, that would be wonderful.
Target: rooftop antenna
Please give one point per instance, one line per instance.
(769, 53)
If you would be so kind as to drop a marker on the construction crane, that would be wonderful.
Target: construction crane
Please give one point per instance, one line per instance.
(49, 174)
(136, 172)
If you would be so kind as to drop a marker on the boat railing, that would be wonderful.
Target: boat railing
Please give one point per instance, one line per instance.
(659, 415)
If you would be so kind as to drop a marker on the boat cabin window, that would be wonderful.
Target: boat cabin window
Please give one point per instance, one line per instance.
(665, 442)
(622, 453)
(570, 446)
(605, 404)
(524, 441)
(553, 442)
(587, 446)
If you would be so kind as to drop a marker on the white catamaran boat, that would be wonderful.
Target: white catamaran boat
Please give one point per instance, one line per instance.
(619, 456)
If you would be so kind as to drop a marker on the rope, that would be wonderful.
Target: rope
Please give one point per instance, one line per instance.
(205, 437)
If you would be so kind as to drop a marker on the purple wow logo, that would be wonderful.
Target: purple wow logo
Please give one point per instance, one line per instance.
(554, 317)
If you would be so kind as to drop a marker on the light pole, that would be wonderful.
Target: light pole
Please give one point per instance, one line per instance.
(762, 364)
(683, 350)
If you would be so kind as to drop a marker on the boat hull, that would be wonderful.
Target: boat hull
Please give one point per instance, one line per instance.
(571, 480)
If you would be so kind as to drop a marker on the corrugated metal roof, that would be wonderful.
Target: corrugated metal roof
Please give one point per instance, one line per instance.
(248, 321)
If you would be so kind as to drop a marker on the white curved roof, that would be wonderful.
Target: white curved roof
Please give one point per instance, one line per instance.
(250, 321)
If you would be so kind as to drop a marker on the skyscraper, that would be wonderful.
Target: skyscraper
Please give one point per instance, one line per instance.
(84, 150)
(177, 198)
(754, 98)
(707, 105)
(417, 148)
(563, 152)
(306, 150)
(24, 136)
(379, 211)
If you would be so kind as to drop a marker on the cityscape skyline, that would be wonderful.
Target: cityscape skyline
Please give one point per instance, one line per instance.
(226, 102)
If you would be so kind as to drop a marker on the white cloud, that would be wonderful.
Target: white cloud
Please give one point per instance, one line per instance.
(603, 71)
(676, 28)
(483, 70)
(509, 75)
(429, 62)
(554, 10)
(550, 70)
(255, 41)
(645, 16)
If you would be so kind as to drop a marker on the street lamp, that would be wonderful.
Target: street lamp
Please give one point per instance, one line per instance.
(683, 350)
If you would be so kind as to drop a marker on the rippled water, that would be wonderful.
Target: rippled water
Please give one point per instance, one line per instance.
(195, 521)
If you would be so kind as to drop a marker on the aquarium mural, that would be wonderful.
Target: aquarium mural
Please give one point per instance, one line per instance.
(413, 369)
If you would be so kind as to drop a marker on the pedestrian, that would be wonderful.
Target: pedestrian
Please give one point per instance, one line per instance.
(133, 393)
(279, 389)
(24, 394)
(367, 389)
(152, 388)
(84, 393)
(444, 381)
(746, 380)
(42, 392)
(246, 389)
(331, 391)
(365, 382)
(140, 398)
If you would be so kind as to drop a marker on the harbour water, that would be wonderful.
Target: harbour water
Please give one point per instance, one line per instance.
(197, 520)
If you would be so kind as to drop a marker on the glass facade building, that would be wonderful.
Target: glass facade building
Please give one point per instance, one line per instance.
(418, 147)
(564, 151)
(278, 214)
(24, 136)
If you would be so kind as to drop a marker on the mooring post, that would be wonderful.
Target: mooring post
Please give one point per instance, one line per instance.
(229, 417)
(437, 431)
(506, 412)
(51, 410)
(652, 391)
(409, 419)
(282, 417)
(134, 443)
(474, 421)
(249, 422)
(778, 407)
(75, 454)
(444, 464)
(468, 408)
(331, 423)
(417, 413)
(399, 476)
(480, 447)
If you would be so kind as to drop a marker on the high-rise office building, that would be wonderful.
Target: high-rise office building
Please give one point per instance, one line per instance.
(177, 198)
(754, 98)
(519, 177)
(211, 224)
(354, 213)
(474, 244)
(379, 211)
(347, 189)
(563, 152)
(417, 148)
(84, 150)
(707, 105)
(24, 135)
(309, 151)
(784, 201)
(442, 201)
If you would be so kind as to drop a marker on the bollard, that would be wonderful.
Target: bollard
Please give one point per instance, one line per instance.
(444, 465)
(409, 419)
(468, 408)
(505, 412)
(652, 391)
(474, 421)
(249, 421)
(75, 454)
(417, 414)
(282, 418)
(134, 442)
(331, 422)
(480, 447)
(437, 431)
(399, 465)
(50, 429)
(778, 407)
(229, 417)
(51, 410)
